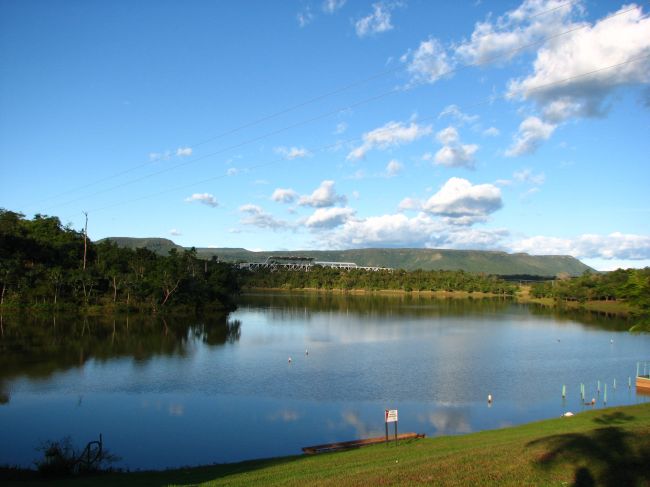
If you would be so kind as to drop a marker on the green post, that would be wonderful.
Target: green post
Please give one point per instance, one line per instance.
(563, 391)
(605, 395)
(598, 387)
(614, 384)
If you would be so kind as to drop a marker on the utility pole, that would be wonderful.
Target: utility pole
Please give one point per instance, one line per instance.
(85, 238)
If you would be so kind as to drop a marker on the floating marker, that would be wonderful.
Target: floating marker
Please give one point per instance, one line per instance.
(563, 391)
(614, 384)
(289, 359)
(598, 387)
(605, 395)
(629, 382)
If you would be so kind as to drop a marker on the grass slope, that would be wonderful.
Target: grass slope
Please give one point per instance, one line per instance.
(609, 447)
(489, 262)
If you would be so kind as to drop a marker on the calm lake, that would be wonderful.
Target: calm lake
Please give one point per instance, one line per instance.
(175, 392)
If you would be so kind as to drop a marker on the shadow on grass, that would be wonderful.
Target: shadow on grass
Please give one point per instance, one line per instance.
(617, 417)
(608, 456)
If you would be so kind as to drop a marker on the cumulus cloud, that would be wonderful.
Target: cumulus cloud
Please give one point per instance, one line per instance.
(283, 195)
(393, 168)
(292, 152)
(323, 196)
(329, 217)
(331, 6)
(557, 84)
(184, 151)
(505, 36)
(422, 230)
(378, 21)
(613, 246)
(428, 63)
(257, 217)
(463, 203)
(453, 153)
(175, 233)
(203, 198)
(532, 132)
(391, 134)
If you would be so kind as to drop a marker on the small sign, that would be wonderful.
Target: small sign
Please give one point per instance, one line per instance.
(390, 415)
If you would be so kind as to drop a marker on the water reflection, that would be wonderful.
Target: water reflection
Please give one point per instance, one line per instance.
(36, 347)
(191, 390)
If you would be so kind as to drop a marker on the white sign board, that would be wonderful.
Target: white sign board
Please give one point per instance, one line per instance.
(390, 415)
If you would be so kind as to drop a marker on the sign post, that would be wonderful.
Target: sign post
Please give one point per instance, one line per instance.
(390, 416)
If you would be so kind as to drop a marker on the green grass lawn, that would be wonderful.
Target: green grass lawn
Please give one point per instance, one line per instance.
(609, 447)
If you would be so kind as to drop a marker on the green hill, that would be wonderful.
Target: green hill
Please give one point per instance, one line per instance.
(490, 262)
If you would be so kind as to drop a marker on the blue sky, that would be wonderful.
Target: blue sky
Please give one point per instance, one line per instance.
(504, 125)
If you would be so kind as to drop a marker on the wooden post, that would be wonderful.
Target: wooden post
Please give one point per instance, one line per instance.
(85, 238)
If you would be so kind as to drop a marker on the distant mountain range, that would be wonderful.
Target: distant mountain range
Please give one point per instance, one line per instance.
(489, 262)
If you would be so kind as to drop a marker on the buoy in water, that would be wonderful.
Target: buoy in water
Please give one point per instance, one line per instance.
(306, 352)
(489, 398)
(289, 359)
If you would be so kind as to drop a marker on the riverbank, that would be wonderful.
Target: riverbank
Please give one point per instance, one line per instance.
(522, 296)
(600, 447)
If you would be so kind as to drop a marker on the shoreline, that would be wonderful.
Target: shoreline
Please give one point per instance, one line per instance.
(521, 297)
(540, 452)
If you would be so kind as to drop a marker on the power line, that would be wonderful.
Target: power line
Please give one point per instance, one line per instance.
(332, 112)
(316, 99)
(329, 146)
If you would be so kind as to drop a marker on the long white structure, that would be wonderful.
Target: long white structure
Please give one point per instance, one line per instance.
(304, 264)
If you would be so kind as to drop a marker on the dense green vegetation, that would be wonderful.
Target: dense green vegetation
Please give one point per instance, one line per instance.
(328, 278)
(631, 285)
(608, 447)
(489, 262)
(43, 263)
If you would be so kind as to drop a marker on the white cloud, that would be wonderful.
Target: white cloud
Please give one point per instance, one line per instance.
(341, 127)
(410, 204)
(491, 132)
(509, 34)
(456, 156)
(282, 195)
(557, 84)
(305, 17)
(175, 233)
(453, 153)
(184, 151)
(428, 63)
(391, 134)
(257, 217)
(329, 217)
(376, 22)
(448, 136)
(532, 131)
(331, 6)
(613, 246)
(459, 200)
(160, 156)
(398, 230)
(323, 196)
(203, 198)
(232, 171)
(455, 112)
(393, 168)
(292, 152)
(527, 176)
